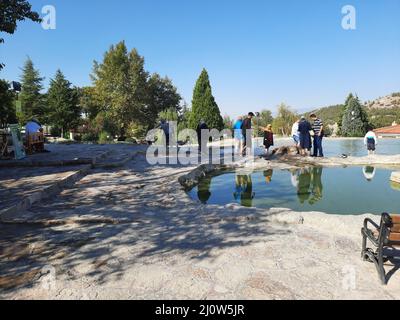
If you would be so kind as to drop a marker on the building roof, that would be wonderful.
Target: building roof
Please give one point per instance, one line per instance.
(389, 130)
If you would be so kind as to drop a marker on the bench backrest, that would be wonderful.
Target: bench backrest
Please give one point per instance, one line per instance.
(394, 235)
(37, 137)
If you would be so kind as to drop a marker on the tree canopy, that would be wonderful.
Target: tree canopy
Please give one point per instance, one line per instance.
(283, 123)
(204, 106)
(355, 119)
(13, 11)
(63, 108)
(128, 94)
(31, 96)
(7, 107)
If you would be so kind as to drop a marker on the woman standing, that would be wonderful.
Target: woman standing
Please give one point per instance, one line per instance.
(268, 137)
(305, 136)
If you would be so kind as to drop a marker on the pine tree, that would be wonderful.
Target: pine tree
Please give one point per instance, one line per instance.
(64, 111)
(31, 97)
(204, 106)
(355, 119)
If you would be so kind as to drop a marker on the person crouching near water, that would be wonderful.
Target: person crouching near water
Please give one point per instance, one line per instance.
(371, 141)
(238, 136)
(268, 137)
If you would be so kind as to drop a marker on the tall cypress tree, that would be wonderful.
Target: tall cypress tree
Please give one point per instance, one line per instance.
(31, 97)
(204, 106)
(355, 119)
(64, 111)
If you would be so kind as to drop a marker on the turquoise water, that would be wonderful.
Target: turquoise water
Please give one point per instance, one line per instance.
(353, 190)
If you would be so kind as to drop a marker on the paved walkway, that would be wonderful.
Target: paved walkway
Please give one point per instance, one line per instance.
(133, 233)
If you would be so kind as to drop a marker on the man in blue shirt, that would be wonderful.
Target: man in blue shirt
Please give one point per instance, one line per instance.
(238, 136)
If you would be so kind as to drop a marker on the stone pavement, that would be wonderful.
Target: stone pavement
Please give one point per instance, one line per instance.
(133, 233)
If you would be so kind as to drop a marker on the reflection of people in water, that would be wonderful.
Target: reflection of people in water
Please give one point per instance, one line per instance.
(203, 191)
(268, 175)
(295, 178)
(244, 190)
(309, 184)
(303, 189)
(317, 188)
(369, 173)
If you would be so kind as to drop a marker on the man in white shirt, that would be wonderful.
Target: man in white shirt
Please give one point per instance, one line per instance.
(371, 141)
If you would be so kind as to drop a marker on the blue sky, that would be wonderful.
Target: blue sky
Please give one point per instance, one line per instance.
(258, 53)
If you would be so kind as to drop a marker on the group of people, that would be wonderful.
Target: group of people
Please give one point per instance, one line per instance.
(309, 134)
(242, 128)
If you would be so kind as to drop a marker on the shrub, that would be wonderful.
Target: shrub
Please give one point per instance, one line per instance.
(105, 137)
(89, 137)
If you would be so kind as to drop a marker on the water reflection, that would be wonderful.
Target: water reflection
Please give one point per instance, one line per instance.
(308, 182)
(369, 173)
(244, 190)
(203, 192)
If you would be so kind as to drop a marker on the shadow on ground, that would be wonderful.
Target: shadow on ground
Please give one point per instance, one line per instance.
(115, 219)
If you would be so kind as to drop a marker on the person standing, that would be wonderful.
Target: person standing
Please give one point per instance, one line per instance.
(247, 134)
(164, 125)
(295, 133)
(304, 136)
(318, 128)
(268, 137)
(238, 136)
(202, 143)
(371, 141)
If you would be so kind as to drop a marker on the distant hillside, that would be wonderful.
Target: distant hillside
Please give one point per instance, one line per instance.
(382, 112)
(330, 115)
(387, 102)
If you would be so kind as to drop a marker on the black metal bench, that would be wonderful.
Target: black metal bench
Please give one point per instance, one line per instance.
(385, 239)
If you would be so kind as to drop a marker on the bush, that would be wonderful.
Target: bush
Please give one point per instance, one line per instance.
(55, 132)
(105, 137)
(89, 137)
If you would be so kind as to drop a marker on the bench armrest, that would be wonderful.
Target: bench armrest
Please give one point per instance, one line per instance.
(369, 233)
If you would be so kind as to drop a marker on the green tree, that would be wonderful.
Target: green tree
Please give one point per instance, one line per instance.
(264, 120)
(184, 116)
(89, 102)
(162, 96)
(7, 107)
(204, 106)
(228, 122)
(64, 111)
(355, 119)
(13, 11)
(120, 82)
(283, 123)
(169, 114)
(31, 97)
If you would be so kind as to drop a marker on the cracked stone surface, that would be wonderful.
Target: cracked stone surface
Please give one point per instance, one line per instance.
(133, 233)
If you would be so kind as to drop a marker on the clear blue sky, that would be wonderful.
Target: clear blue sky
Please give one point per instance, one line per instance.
(258, 53)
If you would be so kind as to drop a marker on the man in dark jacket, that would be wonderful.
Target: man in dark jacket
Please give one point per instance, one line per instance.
(247, 134)
(202, 144)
